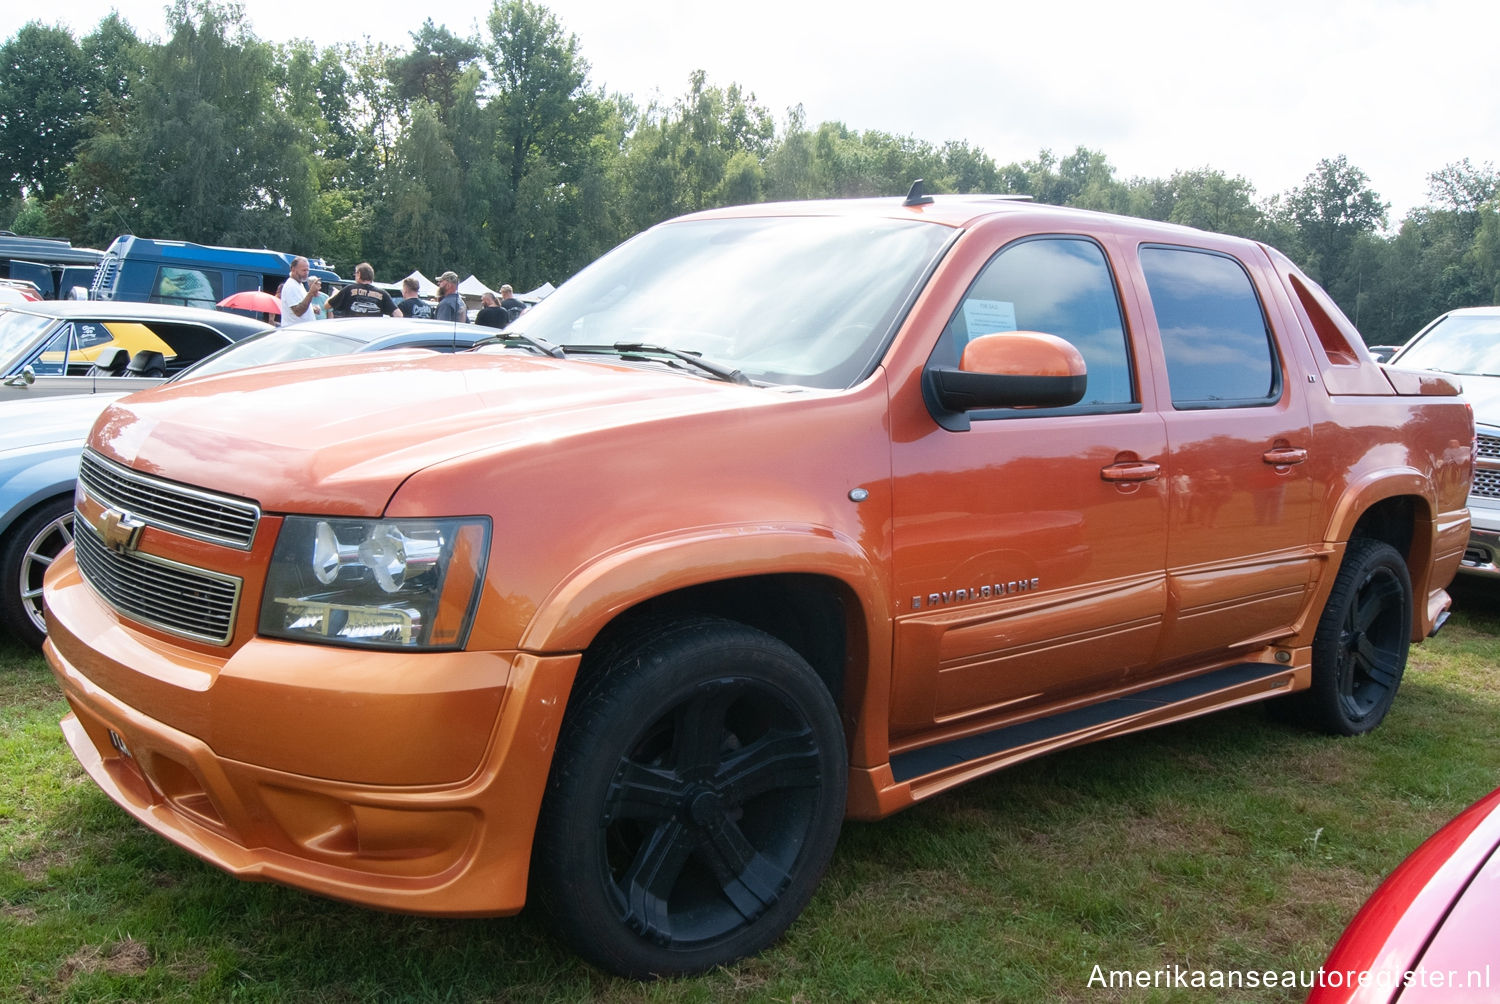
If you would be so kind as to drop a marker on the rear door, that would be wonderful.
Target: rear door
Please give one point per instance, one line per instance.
(1238, 558)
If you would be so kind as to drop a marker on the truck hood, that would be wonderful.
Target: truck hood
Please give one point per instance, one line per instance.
(49, 420)
(338, 436)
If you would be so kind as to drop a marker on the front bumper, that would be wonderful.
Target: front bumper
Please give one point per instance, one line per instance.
(351, 791)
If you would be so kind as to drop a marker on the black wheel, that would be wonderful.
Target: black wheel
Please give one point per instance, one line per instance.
(30, 545)
(694, 801)
(1359, 650)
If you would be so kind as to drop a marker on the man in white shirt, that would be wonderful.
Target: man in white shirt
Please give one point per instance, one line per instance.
(296, 299)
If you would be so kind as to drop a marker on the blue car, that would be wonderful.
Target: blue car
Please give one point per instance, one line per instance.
(40, 442)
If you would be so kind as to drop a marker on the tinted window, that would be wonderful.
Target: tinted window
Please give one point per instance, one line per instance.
(1058, 285)
(1213, 332)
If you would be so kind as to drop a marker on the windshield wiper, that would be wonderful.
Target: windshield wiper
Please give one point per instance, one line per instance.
(540, 344)
(644, 350)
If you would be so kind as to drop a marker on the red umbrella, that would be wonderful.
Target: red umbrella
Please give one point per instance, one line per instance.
(253, 299)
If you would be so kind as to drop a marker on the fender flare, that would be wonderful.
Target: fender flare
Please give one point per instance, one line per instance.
(1376, 486)
(1365, 492)
(579, 607)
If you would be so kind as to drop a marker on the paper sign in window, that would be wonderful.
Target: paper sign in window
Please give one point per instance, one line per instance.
(987, 317)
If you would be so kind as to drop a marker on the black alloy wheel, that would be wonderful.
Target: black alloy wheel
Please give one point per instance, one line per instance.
(695, 800)
(1360, 647)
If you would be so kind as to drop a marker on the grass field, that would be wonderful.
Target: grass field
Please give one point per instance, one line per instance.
(1229, 843)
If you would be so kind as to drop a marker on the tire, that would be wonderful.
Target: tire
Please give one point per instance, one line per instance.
(694, 800)
(1359, 649)
(30, 545)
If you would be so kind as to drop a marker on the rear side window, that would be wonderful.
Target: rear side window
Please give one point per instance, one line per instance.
(187, 287)
(1213, 331)
(1059, 285)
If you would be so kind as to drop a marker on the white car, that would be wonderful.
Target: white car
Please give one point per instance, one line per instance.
(1466, 342)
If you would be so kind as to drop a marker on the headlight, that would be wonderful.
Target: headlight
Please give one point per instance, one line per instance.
(391, 583)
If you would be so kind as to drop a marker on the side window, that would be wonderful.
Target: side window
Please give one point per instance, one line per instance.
(1213, 331)
(53, 360)
(186, 343)
(1061, 286)
(92, 335)
(188, 287)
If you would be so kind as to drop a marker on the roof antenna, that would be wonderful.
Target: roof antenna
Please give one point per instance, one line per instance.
(916, 197)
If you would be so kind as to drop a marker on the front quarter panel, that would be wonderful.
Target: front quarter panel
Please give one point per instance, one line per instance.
(30, 476)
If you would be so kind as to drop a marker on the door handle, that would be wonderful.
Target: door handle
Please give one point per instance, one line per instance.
(1138, 470)
(1284, 456)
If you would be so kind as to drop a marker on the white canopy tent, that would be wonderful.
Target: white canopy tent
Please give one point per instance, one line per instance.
(425, 286)
(473, 287)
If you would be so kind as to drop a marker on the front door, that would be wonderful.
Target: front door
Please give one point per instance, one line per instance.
(1029, 547)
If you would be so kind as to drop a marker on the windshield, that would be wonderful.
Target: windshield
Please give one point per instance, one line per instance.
(283, 345)
(18, 334)
(1461, 343)
(789, 300)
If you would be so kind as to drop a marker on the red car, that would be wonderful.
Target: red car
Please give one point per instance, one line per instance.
(1428, 933)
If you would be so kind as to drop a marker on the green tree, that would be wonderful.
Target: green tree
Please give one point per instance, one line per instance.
(202, 151)
(1211, 200)
(1083, 178)
(706, 149)
(1333, 207)
(545, 120)
(427, 193)
(434, 67)
(46, 89)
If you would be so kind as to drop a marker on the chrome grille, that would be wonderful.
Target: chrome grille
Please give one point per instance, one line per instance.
(1486, 484)
(1489, 447)
(220, 519)
(176, 598)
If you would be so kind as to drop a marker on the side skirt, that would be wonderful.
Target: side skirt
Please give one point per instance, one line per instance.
(940, 766)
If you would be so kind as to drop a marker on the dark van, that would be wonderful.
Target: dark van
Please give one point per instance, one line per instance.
(191, 275)
(53, 266)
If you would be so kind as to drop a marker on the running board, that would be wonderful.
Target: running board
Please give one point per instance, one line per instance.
(1143, 709)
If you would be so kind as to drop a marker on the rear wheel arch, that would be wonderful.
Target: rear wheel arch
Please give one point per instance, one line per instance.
(1399, 511)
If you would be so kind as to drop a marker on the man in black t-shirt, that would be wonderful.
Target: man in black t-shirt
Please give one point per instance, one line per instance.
(513, 308)
(413, 305)
(362, 299)
(490, 311)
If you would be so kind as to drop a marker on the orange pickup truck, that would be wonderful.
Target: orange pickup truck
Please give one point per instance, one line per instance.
(772, 516)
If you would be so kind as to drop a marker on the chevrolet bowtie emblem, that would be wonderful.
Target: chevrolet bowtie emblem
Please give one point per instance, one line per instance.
(121, 531)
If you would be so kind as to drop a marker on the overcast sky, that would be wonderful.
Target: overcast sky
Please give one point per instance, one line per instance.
(1263, 90)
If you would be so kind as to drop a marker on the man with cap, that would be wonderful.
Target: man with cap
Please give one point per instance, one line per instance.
(450, 305)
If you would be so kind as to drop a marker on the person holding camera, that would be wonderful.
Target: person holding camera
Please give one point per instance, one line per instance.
(296, 298)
